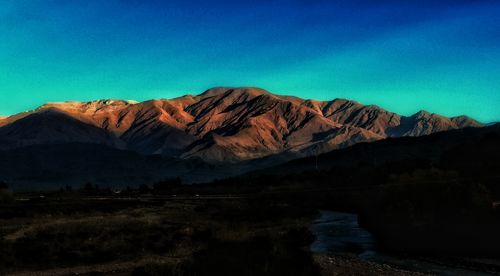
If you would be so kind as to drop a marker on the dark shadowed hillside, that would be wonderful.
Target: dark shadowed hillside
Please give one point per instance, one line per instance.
(50, 167)
(467, 148)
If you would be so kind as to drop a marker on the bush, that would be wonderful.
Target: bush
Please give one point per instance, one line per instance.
(434, 211)
(6, 195)
(433, 193)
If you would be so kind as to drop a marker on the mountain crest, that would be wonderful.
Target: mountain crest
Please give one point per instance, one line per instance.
(248, 91)
(90, 105)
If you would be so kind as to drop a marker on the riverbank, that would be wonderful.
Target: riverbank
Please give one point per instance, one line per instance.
(343, 247)
(333, 265)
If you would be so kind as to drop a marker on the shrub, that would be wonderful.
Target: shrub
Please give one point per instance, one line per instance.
(6, 195)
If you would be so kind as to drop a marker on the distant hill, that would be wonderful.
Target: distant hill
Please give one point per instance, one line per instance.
(469, 151)
(50, 167)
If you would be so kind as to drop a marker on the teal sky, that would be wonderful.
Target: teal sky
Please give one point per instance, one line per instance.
(401, 55)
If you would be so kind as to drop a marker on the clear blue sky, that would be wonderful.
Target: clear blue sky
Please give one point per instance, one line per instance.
(442, 56)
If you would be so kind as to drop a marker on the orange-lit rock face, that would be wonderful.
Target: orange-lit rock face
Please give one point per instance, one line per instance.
(221, 124)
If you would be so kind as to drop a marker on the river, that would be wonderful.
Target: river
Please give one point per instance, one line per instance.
(339, 233)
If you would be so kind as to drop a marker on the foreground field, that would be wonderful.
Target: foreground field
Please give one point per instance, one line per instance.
(142, 233)
(70, 233)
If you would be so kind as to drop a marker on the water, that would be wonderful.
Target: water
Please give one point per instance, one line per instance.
(339, 233)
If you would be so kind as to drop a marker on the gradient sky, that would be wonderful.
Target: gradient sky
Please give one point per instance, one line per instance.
(442, 56)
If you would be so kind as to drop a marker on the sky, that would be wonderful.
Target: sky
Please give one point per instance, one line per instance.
(441, 56)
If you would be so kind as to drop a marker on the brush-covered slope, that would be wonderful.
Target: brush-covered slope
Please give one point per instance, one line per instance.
(465, 150)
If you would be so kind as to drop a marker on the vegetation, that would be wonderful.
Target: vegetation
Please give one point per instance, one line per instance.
(440, 211)
(5, 193)
(155, 236)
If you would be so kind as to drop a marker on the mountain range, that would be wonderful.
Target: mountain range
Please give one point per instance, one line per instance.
(219, 125)
(221, 132)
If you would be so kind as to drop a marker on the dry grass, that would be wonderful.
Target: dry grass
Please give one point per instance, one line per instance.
(173, 238)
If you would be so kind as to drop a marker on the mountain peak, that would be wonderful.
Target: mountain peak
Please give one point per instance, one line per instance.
(218, 91)
(421, 114)
(95, 102)
(463, 121)
(90, 106)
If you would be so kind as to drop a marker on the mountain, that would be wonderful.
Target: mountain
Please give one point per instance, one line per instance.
(221, 125)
